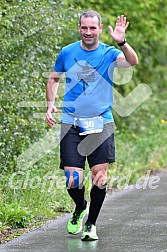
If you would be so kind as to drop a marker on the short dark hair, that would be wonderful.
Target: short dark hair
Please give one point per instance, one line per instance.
(90, 13)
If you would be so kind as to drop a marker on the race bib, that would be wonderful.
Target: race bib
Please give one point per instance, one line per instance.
(89, 125)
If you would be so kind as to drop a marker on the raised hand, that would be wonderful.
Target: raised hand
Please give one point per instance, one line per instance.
(118, 34)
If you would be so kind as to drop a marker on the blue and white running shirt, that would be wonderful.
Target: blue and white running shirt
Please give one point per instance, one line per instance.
(88, 90)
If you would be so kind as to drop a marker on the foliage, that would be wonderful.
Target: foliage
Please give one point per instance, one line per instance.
(30, 34)
(12, 214)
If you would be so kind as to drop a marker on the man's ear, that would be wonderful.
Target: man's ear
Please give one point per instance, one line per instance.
(79, 27)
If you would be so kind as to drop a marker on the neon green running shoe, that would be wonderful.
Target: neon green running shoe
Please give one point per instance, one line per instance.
(74, 225)
(89, 233)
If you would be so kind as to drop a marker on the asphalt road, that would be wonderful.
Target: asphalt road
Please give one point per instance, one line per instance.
(134, 219)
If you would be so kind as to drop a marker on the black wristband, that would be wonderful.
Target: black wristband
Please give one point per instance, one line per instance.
(122, 43)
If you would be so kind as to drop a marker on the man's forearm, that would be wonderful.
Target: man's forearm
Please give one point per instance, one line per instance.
(51, 90)
(129, 53)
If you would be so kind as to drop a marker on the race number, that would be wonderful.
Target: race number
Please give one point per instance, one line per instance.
(90, 125)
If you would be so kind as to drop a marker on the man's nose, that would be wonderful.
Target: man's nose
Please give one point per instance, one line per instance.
(88, 32)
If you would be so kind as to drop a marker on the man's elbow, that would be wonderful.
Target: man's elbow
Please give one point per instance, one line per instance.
(135, 61)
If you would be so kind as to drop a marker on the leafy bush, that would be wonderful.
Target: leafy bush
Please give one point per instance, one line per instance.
(13, 215)
(31, 32)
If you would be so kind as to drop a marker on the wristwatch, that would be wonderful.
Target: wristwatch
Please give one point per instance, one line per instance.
(122, 43)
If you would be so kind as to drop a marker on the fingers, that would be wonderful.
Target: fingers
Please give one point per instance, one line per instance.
(126, 26)
(50, 122)
(110, 28)
(49, 118)
(121, 20)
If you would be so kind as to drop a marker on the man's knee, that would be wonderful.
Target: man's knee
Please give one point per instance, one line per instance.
(73, 179)
(99, 178)
(99, 174)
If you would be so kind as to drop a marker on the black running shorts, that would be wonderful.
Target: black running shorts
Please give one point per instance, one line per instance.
(98, 148)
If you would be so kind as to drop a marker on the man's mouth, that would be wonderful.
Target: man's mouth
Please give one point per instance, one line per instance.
(88, 38)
